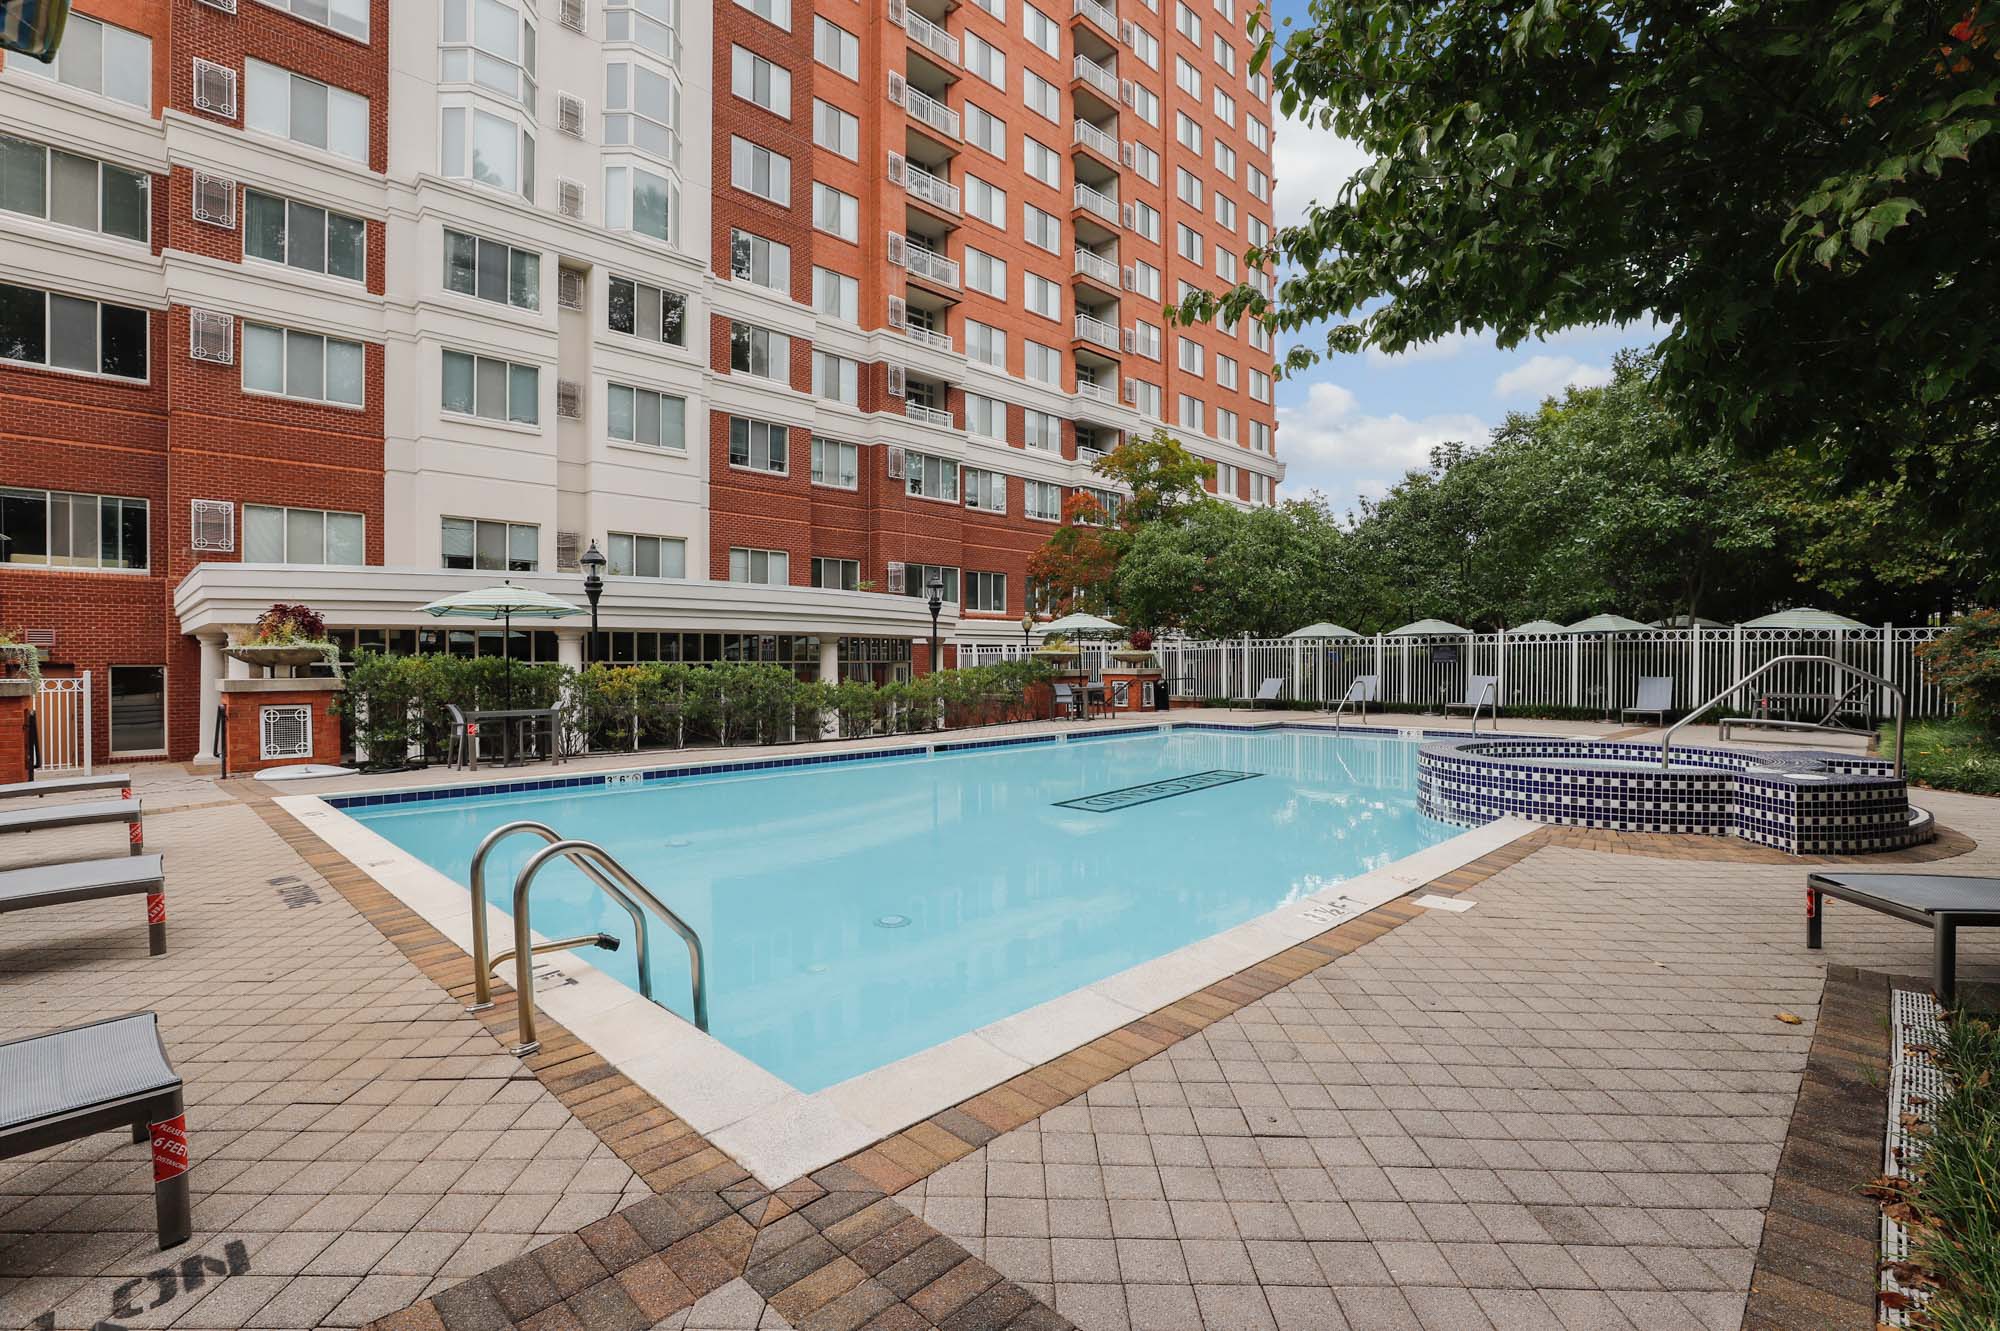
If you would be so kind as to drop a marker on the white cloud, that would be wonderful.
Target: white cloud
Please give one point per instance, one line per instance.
(1443, 348)
(1311, 164)
(1329, 444)
(1540, 376)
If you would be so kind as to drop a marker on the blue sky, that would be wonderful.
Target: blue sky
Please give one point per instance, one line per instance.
(1354, 424)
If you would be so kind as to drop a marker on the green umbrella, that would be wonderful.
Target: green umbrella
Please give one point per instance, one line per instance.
(1322, 630)
(503, 603)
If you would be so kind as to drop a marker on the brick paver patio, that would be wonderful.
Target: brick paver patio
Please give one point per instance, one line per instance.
(1560, 1108)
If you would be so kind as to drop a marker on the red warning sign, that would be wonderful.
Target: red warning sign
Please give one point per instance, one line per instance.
(170, 1148)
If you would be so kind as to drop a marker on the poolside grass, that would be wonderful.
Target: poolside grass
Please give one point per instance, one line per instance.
(1949, 755)
(1956, 1198)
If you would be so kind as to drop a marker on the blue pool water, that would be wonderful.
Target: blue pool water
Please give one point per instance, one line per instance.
(854, 913)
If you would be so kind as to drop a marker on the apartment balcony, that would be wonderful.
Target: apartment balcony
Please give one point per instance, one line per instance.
(924, 337)
(929, 415)
(930, 265)
(1089, 457)
(1097, 268)
(1096, 393)
(930, 112)
(1089, 329)
(1091, 201)
(930, 36)
(927, 188)
(1086, 135)
(1101, 15)
(1096, 77)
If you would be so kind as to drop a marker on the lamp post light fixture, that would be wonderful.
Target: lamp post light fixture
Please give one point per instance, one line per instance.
(1027, 629)
(593, 562)
(936, 604)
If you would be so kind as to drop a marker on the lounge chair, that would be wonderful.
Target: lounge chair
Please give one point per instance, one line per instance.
(80, 815)
(92, 880)
(1480, 691)
(77, 1082)
(1945, 903)
(1268, 691)
(70, 785)
(1655, 699)
(1073, 701)
(1361, 690)
(458, 748)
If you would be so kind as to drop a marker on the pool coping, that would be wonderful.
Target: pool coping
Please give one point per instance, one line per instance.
(780, 1133)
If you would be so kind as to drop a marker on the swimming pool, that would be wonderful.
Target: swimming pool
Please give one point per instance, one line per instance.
(857, 912)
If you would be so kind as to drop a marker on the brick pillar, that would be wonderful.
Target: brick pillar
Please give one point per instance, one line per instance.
(244, 703)
(16, 696)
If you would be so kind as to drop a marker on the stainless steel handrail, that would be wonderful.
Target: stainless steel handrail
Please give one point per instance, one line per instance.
(1795, 658)
(482, 960)
(524, 975)
(1364, 700)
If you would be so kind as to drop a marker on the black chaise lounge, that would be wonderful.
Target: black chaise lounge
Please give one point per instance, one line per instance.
(70, 785)
(80, 815)
(75, 1083)
(91, 880)
(1944, 902)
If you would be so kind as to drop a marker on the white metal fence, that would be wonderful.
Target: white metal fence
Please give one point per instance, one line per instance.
(1549, 670)
(62, 725)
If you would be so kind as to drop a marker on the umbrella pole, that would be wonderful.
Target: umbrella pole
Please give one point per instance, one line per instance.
(507, 650)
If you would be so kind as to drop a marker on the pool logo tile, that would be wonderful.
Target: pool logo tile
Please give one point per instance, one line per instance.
(1111, 801)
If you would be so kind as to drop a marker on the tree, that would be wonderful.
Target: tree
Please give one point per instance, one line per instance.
(1167, 485)
(1805, 194)
(1166, 480)
(1223, 570)
(1077, 561)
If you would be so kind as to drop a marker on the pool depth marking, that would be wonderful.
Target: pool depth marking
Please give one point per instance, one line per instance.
(1111, 801)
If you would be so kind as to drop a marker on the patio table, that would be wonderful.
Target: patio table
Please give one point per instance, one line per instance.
(509, 719)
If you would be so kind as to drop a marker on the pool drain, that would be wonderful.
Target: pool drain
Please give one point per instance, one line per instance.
(891, 921)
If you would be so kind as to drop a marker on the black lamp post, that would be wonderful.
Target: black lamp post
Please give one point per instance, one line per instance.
(593, 587)
(936, 589)
(1027, 627)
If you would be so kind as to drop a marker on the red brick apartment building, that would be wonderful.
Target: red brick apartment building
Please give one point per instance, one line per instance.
(288, 313)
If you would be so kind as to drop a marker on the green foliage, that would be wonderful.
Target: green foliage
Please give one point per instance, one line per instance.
(1803, 196)
(1948, 755)
(1965, 662)
(1167, 482)
(397, 703)
(1223, 571)
(1956, 1196)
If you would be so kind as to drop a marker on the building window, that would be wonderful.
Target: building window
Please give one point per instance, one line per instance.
(65, 333)
(641, 416)
(1107, 500)
(834, 464)
(985, 490)
(759, 82)
(1042, 30)
(762, 566)
(643, 202)
(300, 235)
(1042, 97)
(1042, 161)
(55, 529)
(778, 12)
(492, 46)
(489, 270)
(836, 213)
(986, 274)
(498, 547)
(985, 60)
(929, 477)
(836, 131)
(835, 377)
(138, 708)
(642, 109)
(760, 445)
(836, 48)
(986, 591)
(497, 390)
(985, 201)
(1044, 230)
(1043, 296)
(837, 574)
(1044, 431)
(1041, 364)
(985, 344)
(1043, 501)
(760, 171)
(917, 580)
(759, 351)
(291, 106)
(650, 312)
(73, 191)
(836, 295)
(347, 17)
(273, 535)
(760, 262)
(986, 131)
(985, 416)
(288, 363)
(646, 556)
(98, 57)
(499, 153)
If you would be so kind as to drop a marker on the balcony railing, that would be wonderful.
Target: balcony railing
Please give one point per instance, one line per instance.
(924, 337)
(1101, 15)
(930, 265)
(1096, 392)
(1086, 197)
(930, 36)
(932, 112)
(1097, 266)
(1096, 330)
(1098, 77)
(938, 193)
(1090, 136)
(929, 415)
(1088, 456)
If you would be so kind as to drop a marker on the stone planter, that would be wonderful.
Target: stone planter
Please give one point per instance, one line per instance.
(1135, 657)
(272, 656)
(1058, 655)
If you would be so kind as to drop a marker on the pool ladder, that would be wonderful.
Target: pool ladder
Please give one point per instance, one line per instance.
(598, 866)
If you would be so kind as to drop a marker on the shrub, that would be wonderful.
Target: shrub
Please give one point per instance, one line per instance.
(283, 624)
(1965, 662)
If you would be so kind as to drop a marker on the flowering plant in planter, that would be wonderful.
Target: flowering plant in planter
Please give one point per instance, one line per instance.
(291, 635)
(17, 651)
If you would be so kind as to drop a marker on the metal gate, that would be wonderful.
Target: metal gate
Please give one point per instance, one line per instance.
(62, 724)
